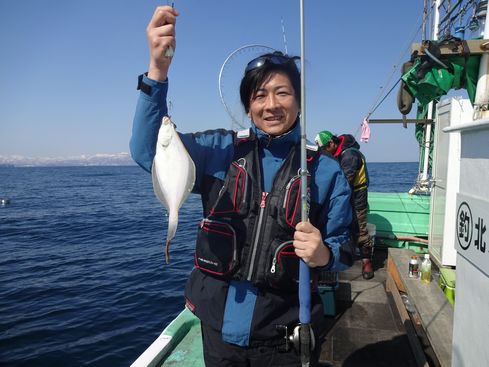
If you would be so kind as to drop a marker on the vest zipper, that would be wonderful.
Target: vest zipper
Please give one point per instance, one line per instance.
(287, 188)
(242, 163)
(257, 234)
(275, 255)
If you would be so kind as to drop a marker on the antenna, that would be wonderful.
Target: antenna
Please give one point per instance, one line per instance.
(283, 34)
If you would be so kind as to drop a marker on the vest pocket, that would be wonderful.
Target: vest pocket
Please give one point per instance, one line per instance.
(291, 203)
(233, 199)
(216, 252)
(283, 272)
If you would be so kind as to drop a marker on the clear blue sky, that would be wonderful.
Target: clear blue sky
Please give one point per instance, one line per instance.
(68, 69)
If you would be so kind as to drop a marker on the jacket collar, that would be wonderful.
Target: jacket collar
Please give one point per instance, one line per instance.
(288, 138)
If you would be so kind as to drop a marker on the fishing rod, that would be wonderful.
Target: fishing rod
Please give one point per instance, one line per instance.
(304, 331)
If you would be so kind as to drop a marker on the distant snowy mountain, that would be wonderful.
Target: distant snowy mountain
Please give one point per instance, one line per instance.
(116, 159)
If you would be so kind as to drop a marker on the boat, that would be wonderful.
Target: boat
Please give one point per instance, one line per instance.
(445, 214)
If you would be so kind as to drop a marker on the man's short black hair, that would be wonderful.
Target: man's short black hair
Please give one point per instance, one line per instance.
(253, 79)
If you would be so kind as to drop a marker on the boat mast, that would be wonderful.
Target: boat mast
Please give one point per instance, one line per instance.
(431, 108)
(481, 103)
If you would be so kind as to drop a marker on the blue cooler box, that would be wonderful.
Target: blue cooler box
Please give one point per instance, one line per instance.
(327, 285)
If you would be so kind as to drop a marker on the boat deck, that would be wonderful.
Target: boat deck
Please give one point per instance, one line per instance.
(367, 329)
(372, 324)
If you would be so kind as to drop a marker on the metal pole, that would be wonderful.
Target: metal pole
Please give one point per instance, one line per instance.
(481, 102)
(431, 106)
(304, 271)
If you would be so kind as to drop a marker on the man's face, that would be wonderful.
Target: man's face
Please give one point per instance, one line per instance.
(274, 108)
(331, 147)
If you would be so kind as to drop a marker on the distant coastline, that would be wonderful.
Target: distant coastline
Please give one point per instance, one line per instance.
(99, 159)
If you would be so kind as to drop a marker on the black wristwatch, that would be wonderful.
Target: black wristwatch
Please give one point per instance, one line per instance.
(142, 86)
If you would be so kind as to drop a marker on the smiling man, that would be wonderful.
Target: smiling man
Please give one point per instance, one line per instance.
(243, 287)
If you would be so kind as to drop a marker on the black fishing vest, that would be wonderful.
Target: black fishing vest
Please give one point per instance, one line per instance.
(247, 234)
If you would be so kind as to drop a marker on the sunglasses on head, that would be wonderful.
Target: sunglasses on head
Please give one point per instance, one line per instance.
(277, 58)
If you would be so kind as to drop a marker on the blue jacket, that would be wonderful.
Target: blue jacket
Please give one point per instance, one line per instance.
(212, 153)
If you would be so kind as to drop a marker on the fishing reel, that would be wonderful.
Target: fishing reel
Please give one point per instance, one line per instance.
(294, 339)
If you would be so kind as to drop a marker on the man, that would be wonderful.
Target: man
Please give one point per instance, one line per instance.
(248, 243)
(346, 149)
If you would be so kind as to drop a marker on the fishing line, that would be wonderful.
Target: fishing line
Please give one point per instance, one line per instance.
(283, 34)
(170, 51)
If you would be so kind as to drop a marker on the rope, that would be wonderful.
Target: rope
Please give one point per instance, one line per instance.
(376, 104)
(383, 99)
(448, 21)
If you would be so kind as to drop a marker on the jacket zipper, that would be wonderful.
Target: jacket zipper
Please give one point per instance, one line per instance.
(257, 234)
(277, 251)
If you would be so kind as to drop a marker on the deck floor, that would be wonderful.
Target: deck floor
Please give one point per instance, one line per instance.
(367, 330)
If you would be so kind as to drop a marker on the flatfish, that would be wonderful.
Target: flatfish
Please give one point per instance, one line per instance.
(173, 174)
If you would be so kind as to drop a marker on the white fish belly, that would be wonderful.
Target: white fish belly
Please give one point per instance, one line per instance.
(173, 173)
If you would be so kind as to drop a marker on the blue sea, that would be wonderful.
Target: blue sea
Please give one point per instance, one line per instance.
(83, 278)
